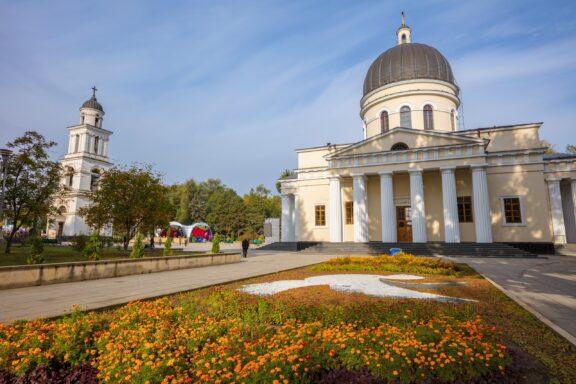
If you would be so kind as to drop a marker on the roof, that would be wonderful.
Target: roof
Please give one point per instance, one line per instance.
(497, 127)
(92, 103)
(406, 62)
(559, 156)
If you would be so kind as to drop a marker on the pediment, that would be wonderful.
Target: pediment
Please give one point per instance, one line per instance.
(413, 138)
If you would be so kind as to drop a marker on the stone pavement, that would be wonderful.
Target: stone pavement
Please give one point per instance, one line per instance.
(546, 287)
(57, 299)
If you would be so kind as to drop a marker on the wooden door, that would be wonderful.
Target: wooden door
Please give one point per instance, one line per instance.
(60, 229)
(404, 224)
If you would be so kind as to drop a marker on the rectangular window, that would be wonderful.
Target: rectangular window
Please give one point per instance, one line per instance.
(349, 208)
(512, 210)
(465, 209)
(320, 215)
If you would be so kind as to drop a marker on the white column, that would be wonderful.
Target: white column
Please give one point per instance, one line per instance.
(573, 187)
(295, 218)
(387, 206)
(481, 203)
(105, 148)
(360, 209)
(286, 225)
(556, 210)
(417, 207)
(450, 204)
(86, 143)
(335, 213)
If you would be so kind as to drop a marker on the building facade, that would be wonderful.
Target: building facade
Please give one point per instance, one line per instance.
(415, 177)
(84, 162)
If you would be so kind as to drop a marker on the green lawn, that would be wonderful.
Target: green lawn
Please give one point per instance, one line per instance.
(63, 254)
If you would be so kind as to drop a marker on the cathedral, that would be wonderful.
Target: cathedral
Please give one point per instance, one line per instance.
(84, 162)
(415, 177)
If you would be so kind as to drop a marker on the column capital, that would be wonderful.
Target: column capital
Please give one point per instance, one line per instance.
(478, 167)
(449, 169)
(553, 179)
(334, 177)
(358, 175)
(415, 171)
(388, 173)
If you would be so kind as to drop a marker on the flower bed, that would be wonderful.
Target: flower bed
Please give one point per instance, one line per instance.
(305, 335)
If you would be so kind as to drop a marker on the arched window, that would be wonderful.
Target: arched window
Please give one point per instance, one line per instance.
(69, 176)
(61, 210)
(94, 179)
(96, 140)
(399, 147)
(403, 38)
(405, 117)
(96, 120)
(452, 117)
(384, 123)
(428, 117)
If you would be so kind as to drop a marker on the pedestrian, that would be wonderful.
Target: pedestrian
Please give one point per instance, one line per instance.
(245, 245)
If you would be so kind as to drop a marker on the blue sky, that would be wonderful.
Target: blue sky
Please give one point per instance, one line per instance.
(228, 89)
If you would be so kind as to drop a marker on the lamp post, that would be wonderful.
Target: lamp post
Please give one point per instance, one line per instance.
(5, 153)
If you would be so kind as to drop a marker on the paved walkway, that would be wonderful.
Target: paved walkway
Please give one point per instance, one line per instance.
(57, 299)
(546, 287)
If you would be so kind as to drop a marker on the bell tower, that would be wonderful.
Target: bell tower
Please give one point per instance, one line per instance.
(84, 163)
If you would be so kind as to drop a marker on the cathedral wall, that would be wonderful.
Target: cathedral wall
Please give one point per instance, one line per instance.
(528, 183)
(433, 205)
(463, 189)
(347, 195)
(374, 211)
(523, 137)
(313, 158)
(310, 194)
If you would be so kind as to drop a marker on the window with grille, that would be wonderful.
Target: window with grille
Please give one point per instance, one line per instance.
(465, 209)
(384, 122)
(320, 215)
(512, 210)
(428, 117)
(399, 147)
(405, 117)
(349, 212)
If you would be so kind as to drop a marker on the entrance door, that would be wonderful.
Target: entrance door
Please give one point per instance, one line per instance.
(404, 224)
(60, 229)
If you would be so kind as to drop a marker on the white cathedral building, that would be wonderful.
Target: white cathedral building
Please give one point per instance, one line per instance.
(84, 162)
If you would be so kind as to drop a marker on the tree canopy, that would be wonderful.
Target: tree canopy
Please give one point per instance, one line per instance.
(132, 200)
(32, 183)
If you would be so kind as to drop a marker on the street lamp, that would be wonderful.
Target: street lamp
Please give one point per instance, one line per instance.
(5, 153)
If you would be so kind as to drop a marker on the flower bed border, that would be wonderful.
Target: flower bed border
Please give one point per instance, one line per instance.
(44, 274)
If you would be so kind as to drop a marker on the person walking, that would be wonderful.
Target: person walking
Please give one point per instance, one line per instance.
(245, 245)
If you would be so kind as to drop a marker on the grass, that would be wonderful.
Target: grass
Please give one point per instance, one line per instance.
(311, 334)
(64, 254)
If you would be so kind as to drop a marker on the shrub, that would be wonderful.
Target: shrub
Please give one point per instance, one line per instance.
(36, 250)
(93, 250)
(138, 247)
(216, 244)
(168, 246)
(79, 242)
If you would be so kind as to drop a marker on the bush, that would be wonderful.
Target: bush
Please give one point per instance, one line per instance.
(93, 250)
(168, 246)
(36, 250)
(138, 247)
(79, 242)
(216, 244)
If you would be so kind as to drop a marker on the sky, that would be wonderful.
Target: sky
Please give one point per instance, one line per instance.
(229, 89)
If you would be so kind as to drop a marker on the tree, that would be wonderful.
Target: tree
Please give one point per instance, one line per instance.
(571, 148)
(93, 250)
(32, 184)
(133, 200)
(550, 150)
(216, 244)
(138, 247)
(284, 175)
(168, 244)
(259, 206)
(225, 212)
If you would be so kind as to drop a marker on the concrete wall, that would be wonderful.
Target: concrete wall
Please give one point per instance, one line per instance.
(31, 275)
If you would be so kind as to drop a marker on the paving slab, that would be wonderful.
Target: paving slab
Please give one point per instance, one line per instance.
(545, 286)
(57, 299)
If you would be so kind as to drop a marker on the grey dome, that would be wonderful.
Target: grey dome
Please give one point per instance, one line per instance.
(406, 62)
(92, 103)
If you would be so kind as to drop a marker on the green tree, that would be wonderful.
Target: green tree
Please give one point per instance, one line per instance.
(550, 149)
(571, 148)
(36, 251)
(284, 175)
(225, 212)
(168, 245)
(259, 206)
(133, 200)
(32, 184)
(138, 247)
(93, 249)
(216, 244)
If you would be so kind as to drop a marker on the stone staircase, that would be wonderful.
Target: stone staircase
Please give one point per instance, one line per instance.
(418, 249)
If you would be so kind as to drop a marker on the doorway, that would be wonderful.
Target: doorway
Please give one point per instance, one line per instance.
(404, 224)
(60, 229)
